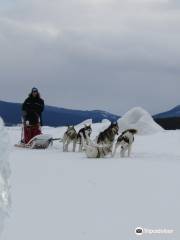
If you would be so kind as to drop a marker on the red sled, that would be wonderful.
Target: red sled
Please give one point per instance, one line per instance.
(29, 136)
(33, 138)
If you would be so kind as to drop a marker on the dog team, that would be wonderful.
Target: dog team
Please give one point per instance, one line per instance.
(104, 143)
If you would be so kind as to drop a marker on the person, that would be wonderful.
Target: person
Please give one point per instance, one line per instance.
(32, 109)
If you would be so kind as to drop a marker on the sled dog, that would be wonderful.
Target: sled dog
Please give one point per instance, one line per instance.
(94, 150)
(69, 136)
(125, 141)
(108, 135)
(104, 143)
(83, 132)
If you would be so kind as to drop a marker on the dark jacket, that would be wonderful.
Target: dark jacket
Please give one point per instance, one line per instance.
(32, 109)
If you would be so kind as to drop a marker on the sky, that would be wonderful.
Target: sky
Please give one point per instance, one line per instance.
(111, 55)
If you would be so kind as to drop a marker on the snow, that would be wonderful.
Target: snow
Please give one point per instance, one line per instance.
(4, 175)
(82, 124)
(139, 119)
(67, 196)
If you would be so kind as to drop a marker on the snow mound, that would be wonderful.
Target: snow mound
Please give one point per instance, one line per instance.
(82, 124)
(139, 119)
(99, 127)
(4, 174)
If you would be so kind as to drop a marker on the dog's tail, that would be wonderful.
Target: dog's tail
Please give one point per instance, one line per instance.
(131, 130)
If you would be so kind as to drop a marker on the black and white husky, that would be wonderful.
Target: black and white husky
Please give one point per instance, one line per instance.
(107, 137)
(70, 136)
(104, 143)
(125, 141)
(82, 136)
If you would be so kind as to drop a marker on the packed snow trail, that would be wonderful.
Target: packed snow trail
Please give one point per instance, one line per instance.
(58, 195)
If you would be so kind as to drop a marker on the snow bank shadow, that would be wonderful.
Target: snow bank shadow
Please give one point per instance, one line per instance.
(4, 175)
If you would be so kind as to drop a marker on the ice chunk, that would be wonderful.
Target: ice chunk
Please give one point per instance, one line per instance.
(4, 174)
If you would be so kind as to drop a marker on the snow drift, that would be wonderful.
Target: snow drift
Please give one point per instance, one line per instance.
(4, 174)
(139, 119)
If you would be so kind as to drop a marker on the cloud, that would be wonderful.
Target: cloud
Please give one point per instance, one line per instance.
(74, 49)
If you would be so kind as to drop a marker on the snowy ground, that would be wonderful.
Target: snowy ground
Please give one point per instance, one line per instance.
(66, 196)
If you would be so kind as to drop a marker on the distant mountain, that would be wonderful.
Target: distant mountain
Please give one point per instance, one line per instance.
(173, 113)
(53, 116)
(169, 120)
(171, 123)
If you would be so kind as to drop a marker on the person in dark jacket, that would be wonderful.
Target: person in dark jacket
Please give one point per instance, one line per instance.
(33, 107)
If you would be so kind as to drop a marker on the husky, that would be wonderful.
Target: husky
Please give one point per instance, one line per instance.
(125, 140)
(69, 136)
(94, 150)
(108, 135)
(82, 136)
(104, 143)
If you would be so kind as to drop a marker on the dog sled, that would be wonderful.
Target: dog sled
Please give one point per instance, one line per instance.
(32, 138)
(42, 141)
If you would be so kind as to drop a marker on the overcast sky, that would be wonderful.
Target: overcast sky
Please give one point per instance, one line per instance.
(92, 54)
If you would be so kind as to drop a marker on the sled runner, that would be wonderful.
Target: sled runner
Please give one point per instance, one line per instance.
(41, 141)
